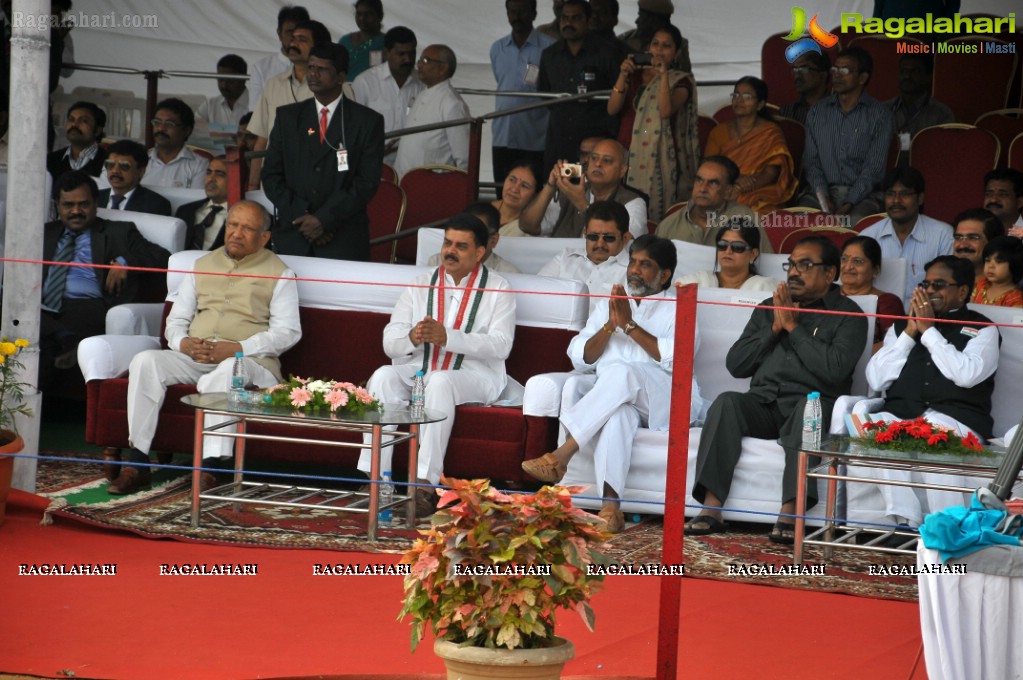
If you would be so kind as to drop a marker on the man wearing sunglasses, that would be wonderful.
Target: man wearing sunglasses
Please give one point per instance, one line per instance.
(943, 372)
(124, 167)
(603, 259)
(789, 351)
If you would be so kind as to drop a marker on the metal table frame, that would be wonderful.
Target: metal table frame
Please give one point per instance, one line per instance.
(832, 456)
(241, 492)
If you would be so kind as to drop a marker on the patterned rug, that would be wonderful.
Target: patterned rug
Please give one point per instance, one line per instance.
(742, 555)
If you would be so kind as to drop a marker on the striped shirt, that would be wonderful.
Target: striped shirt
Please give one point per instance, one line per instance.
(847, 149)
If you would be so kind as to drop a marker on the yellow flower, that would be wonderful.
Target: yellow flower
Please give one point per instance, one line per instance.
(21, 342)
(3, 359)
(8, 348)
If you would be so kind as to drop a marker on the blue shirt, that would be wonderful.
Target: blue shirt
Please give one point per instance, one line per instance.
(511, 65)
(82, 282)
(847, 149)
(929, 239)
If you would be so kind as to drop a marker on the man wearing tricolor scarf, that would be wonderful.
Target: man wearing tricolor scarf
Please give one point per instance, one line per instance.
(629, 343)
(456, 325)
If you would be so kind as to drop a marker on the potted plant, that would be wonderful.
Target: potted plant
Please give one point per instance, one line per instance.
(12, 402)
(490, 573)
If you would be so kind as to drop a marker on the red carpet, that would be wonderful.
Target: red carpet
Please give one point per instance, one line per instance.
(285, 622)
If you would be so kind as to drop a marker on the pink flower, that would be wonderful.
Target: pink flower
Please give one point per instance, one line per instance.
(346, 386)
(337, 399)
(362, 395)
(300, 396)
(271, 390)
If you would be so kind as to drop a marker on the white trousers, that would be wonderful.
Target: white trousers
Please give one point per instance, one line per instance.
(903, 504)
(625, 397)
(152, 371)
(445, 390)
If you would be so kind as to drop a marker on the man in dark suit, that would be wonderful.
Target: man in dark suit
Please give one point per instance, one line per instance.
(84, 130)
(125, 166)
(205, 219)
(323, 165)
(75, 299)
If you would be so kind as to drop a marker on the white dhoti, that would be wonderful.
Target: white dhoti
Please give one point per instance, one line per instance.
(445, 390)
(909, 505)
(152, 371)
(625, 397)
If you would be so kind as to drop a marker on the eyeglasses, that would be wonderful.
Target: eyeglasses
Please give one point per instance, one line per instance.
(856, 261)
(430, 60)
(936, 286)
(905, 193)
(745, 96)
(121, 165)
(806, 69)
(738, 247)
(169, 124)
(840, 70)
(967, 237)
(802, 266)
(608, 238)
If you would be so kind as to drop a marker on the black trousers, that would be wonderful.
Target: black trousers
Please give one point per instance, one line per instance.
(59, 333)
(735, 415)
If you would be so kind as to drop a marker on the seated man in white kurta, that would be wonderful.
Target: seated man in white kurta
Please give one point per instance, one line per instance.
(630, 344)
(943, 372)
(457, 326)
(212, 318)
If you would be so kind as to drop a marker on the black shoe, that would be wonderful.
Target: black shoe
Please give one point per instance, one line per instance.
(898, 542)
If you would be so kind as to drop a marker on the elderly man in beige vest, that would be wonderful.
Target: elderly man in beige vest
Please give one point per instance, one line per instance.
(212, 318)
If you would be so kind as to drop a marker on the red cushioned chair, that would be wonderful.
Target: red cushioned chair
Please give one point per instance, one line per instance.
(724, 114)
(388, 174)
(433, 192)
(836, 235)
(705, 124)
(1006, 124)
(780, 223)
(795, 139)
(884, 81)
(386, 211)
(988, 85)
(869, 220)
(1016, 153)
(953, 159)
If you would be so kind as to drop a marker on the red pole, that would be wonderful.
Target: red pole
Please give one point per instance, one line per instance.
(152, 92)
(675, 484)
(236, 177)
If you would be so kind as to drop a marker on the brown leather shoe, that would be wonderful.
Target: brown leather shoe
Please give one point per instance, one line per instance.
(614, 520)
(546, 468)
(131, 480)
(426, 503)
(111, 468)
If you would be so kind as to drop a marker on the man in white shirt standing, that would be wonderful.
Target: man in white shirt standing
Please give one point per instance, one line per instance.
(232, 103)
(603, 260)
(391, 88)
(456, 325)
(171, 163)
(437, 103)
(629, 343)
(272, 64)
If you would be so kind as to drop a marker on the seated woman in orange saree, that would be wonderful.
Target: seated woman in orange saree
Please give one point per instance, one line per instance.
(756, 144)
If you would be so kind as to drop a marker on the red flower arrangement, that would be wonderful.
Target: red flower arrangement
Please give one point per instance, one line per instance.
(919, 434)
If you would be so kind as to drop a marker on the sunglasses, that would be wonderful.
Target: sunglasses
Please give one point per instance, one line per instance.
(123, 165)
(608, 238)
(934, 285)
(738, 247)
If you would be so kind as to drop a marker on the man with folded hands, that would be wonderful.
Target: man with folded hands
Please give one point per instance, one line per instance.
(254, 310)
(789, 351)
(629, 342)
(457, 326)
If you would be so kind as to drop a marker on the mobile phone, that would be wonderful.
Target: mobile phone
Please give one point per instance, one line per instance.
(642, 59)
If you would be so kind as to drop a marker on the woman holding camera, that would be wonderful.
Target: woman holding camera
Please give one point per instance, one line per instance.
(659, 122)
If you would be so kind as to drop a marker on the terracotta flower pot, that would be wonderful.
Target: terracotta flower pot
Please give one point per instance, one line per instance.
(480, 663)
(14, 445)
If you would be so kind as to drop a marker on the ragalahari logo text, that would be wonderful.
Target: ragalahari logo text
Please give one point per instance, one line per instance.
(801, 45)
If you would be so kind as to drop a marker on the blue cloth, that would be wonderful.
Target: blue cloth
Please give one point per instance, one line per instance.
(929, 239)
(510, 64)
(958, 531)
(847, 149)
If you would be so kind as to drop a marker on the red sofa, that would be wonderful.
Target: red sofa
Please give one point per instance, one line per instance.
(487, 441)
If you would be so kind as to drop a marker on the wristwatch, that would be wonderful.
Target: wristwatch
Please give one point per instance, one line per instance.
(629, 327)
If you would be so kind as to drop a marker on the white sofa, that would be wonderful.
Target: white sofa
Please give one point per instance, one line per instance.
(756, 487)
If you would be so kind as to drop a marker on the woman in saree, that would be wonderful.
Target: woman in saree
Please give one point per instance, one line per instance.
(659, 123)
(756, 144)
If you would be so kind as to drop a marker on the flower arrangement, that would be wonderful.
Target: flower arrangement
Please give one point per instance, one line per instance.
(494, 567)
(919, 434)
(12, 391)
(315, 395)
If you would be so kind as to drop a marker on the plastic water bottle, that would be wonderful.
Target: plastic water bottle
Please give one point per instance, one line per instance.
(385, 494)
(417, 405)
(812, 421)
(237, 393)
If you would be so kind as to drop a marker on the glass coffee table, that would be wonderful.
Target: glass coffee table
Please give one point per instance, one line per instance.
(315, 426)
(837, 451)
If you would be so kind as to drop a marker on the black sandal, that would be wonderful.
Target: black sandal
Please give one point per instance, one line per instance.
(783, 533)
(713, 526)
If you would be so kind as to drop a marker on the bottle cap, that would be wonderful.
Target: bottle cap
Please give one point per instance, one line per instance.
(814, 395)
(238, 355)
(420, 373)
